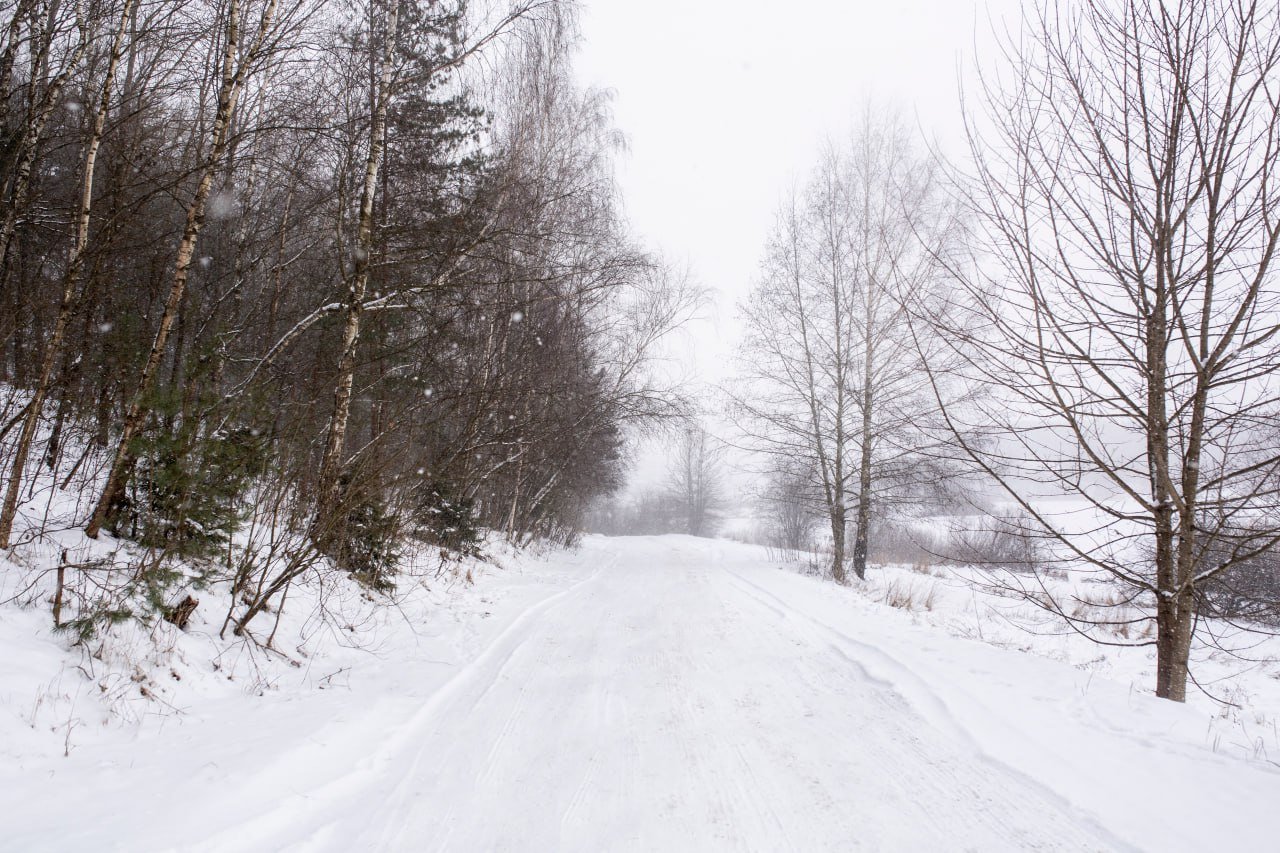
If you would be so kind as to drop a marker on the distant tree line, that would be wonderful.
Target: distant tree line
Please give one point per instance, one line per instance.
(690, 499)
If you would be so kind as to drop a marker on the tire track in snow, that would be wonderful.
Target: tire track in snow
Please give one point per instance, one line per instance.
(502, 650)
(918, 696)
(737, 723)
(306, 808)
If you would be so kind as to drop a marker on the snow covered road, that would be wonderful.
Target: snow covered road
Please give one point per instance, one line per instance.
(674, 694)
(667, 704)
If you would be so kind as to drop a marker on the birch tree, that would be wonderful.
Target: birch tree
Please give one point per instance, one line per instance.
(426, 52)
(72, 279)
(236, 62)
(831, 374)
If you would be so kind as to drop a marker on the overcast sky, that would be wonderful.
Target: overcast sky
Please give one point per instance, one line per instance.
(725, 103)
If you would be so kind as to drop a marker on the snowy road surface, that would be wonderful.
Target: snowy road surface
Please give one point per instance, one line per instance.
(671, 694)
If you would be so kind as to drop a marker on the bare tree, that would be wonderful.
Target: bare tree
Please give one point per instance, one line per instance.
(791, 507)
(235, 64)
(832, 372)
(53, 37)
(1126, 322)
(72, 279)
(383, 32)
(695, 478)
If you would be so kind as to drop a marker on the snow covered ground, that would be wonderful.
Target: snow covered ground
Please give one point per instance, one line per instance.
(652, 693)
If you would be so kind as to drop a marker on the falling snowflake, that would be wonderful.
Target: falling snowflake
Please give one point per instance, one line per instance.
(222, 205)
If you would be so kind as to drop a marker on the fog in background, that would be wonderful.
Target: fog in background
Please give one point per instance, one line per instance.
(726, 104)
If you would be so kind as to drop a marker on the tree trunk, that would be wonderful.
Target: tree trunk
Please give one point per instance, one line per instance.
(1174, 616)
(329, 490)
(1171, 652)
(862, 522)
(837, 542)
(862, 525)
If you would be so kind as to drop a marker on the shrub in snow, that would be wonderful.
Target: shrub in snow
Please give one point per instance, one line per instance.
(445, 520)
(367, 544)
(1249, 589)
(1008, 543)
(188, 488)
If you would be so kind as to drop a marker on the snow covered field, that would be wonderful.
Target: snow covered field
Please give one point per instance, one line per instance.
(652, 693)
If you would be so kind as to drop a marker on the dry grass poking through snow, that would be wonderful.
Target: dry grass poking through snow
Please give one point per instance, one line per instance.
(910, 595)
(1111, 612)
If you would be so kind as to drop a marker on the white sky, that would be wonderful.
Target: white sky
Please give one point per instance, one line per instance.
(725, 104)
